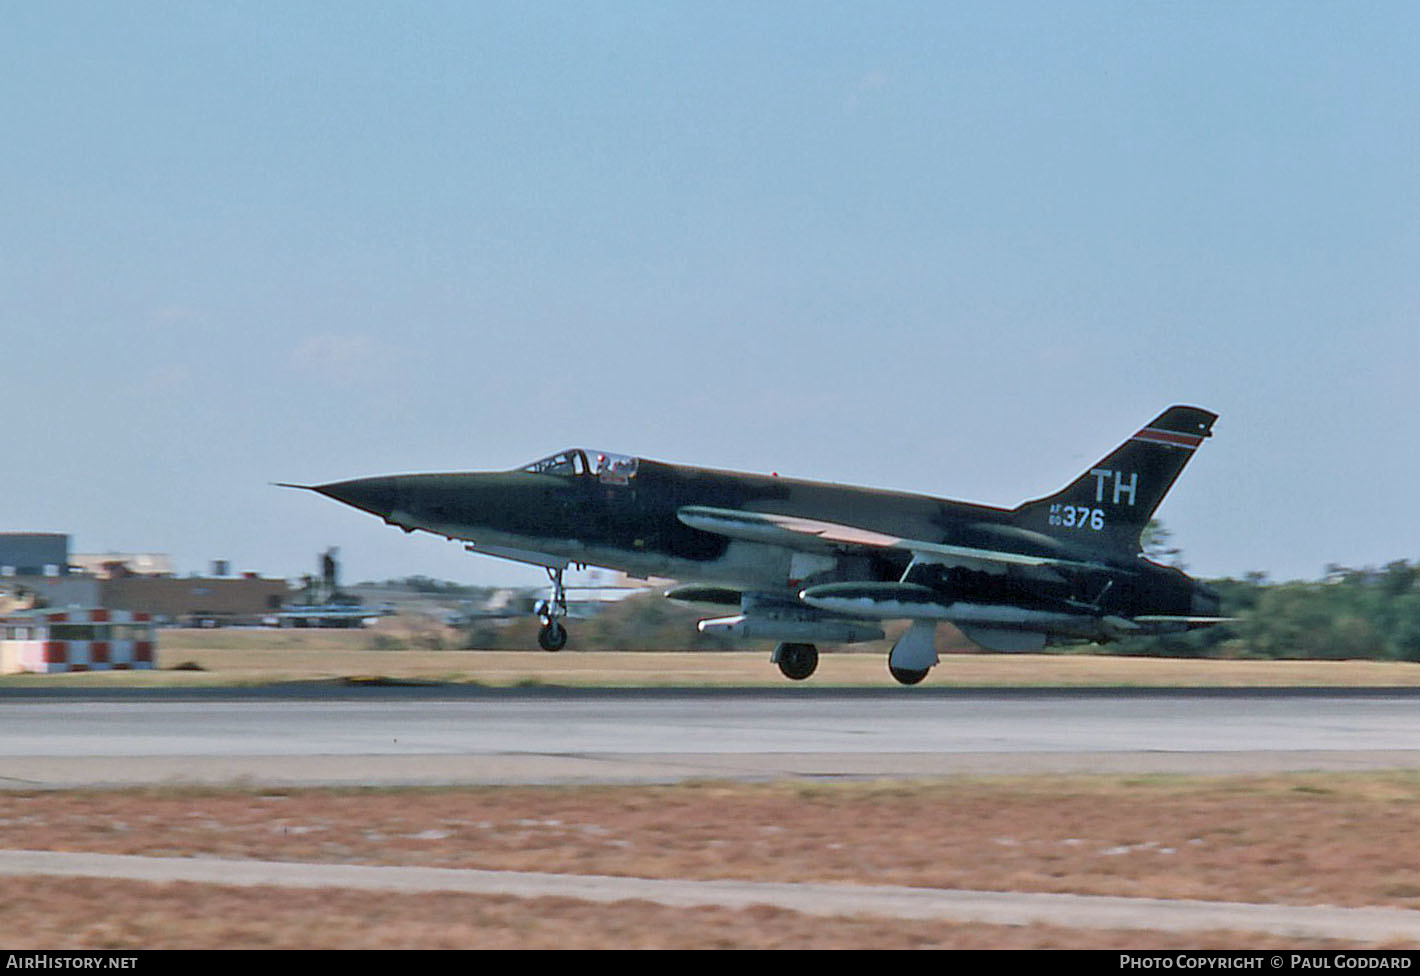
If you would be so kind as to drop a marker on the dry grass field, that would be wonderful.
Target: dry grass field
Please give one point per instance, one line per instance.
(248, 657)
(1300, 839)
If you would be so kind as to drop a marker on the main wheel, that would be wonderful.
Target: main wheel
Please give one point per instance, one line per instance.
(907, 676)
(797, 661)
(552, 636)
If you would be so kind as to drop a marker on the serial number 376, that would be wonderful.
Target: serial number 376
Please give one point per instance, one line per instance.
(1076, 517)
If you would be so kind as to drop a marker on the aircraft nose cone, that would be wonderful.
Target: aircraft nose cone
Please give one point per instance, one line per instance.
(378, 496)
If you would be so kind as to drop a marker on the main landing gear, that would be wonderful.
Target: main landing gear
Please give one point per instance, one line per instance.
(914, 653)
(796, 661)
(552, 635)
(907, 676)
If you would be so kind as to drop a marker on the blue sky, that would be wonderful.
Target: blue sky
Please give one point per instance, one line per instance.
(959, 249)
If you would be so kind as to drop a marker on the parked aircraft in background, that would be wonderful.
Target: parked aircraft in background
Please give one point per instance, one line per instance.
(583, 603)
(804, 562)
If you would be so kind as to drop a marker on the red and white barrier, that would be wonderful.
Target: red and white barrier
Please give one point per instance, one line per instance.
(50, 641)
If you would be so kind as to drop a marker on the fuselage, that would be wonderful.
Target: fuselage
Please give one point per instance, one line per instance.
(629, 522)
(807, 561)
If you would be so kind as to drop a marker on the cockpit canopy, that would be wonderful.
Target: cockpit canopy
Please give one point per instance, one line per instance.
(606, 467)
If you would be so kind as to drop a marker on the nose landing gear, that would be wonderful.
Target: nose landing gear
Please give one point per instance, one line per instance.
(552, 635)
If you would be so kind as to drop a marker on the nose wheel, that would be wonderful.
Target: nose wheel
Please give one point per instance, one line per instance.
(552, 635)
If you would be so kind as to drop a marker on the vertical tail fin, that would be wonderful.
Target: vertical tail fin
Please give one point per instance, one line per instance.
(1113, 500)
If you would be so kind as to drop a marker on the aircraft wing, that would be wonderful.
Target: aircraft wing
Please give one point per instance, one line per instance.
(814, 535)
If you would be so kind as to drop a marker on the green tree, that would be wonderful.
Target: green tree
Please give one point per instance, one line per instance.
(1157, 543)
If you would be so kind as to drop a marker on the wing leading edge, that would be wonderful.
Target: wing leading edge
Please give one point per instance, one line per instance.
(814, 535)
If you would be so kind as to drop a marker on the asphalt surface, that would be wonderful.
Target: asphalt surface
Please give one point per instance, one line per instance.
(391, 736)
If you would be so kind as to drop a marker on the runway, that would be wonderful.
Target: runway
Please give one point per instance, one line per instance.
(391, 736)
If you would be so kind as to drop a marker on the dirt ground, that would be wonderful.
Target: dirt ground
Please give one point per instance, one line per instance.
(75, 914)
(1296, 839)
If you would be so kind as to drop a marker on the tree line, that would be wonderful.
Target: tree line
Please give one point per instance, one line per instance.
(1349, 613)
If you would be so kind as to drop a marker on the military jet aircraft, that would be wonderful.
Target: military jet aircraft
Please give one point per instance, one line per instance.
(803, 562)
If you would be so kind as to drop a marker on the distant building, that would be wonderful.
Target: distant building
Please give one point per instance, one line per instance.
(34, 554)
(25, 592)
(246, 600)
(109, 564)
(35, 573)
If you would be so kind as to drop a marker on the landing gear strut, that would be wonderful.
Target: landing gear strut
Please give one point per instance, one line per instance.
(915, 653)
(552, 636)
(796, 661)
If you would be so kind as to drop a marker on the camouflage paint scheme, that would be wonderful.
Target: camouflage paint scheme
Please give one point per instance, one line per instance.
(807, 560)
